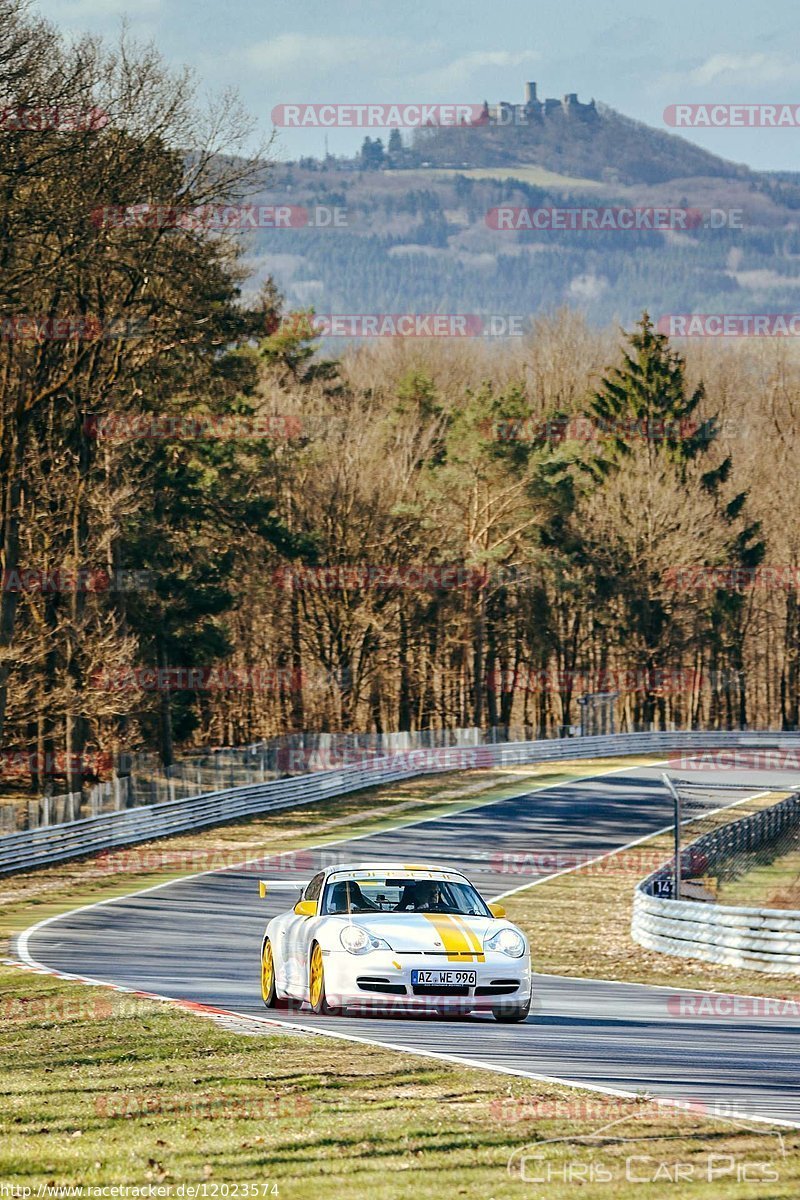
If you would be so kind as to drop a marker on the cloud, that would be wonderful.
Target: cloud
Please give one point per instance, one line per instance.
(461, 70)
(746, 68)
(740, 70)
(290, 53)
(302, 57)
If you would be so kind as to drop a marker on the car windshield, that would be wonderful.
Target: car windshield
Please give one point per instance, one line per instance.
(397, 894)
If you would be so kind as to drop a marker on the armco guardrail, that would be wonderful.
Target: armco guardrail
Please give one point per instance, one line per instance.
(760, 939)
(55, 843)
(140, 778)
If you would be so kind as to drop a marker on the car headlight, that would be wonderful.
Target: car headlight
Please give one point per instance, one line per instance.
(357, 941)
(507, 941)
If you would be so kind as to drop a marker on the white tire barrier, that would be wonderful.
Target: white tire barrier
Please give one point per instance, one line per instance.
(758, 939)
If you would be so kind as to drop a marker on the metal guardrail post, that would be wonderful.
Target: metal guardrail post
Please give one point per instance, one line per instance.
(676, 874)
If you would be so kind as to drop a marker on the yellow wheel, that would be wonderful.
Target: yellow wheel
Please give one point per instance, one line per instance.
(267, 974)
(316, 983)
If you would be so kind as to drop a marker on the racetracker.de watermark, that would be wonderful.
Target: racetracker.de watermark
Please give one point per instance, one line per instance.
(513, 1109)
(58, 118)
(220, 217)
(81, 579)
(407, 325)
(207, 1106)
(23, 327)
(147, 861)
(447, 758)
(732, 579)
(377, 116)
(732, 116)
(663, 680)
(125, 427)
(58, 1009)
(758, 1008)
(534, 863)
(730, 324)
(20, 763)
(274, 680)
(588, 429)
(362, 576)
(615, 219)
(431, 1005)
(737, 758)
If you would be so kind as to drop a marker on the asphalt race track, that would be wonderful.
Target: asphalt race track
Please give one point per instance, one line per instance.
(199, 938)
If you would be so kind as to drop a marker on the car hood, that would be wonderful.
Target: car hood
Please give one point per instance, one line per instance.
(431, 933)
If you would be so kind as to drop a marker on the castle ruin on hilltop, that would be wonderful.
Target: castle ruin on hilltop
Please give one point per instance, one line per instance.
(534, 109)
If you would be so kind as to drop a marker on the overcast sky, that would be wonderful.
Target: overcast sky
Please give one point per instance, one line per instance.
(469, 50)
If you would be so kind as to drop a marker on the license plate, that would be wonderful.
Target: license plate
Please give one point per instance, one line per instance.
(444, 978)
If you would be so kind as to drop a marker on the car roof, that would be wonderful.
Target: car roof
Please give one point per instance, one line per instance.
(395, 868)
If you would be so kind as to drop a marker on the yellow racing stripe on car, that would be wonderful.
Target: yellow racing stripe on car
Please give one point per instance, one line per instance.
(471, 935)
(459, 942)
(453, 939)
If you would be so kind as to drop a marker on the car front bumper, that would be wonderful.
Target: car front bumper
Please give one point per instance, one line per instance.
(382, 979)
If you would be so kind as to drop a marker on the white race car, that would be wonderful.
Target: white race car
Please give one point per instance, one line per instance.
(395, 935)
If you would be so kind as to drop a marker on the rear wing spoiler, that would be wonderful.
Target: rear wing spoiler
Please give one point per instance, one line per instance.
(281, 885)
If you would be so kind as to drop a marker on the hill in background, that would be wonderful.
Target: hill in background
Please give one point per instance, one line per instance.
(416, 236)
(593, 142)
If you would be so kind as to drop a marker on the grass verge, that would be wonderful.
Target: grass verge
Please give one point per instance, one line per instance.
(142, 1094)
(766, 884)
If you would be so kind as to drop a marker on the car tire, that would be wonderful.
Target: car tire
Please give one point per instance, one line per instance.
(268, 993)
(510, 1014)
(316, 985)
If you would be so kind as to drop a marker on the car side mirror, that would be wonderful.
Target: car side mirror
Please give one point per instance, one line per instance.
(306, 908)
(497, 910)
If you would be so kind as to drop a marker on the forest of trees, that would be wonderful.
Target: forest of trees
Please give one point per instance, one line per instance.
(212, 533)
(420, 242)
